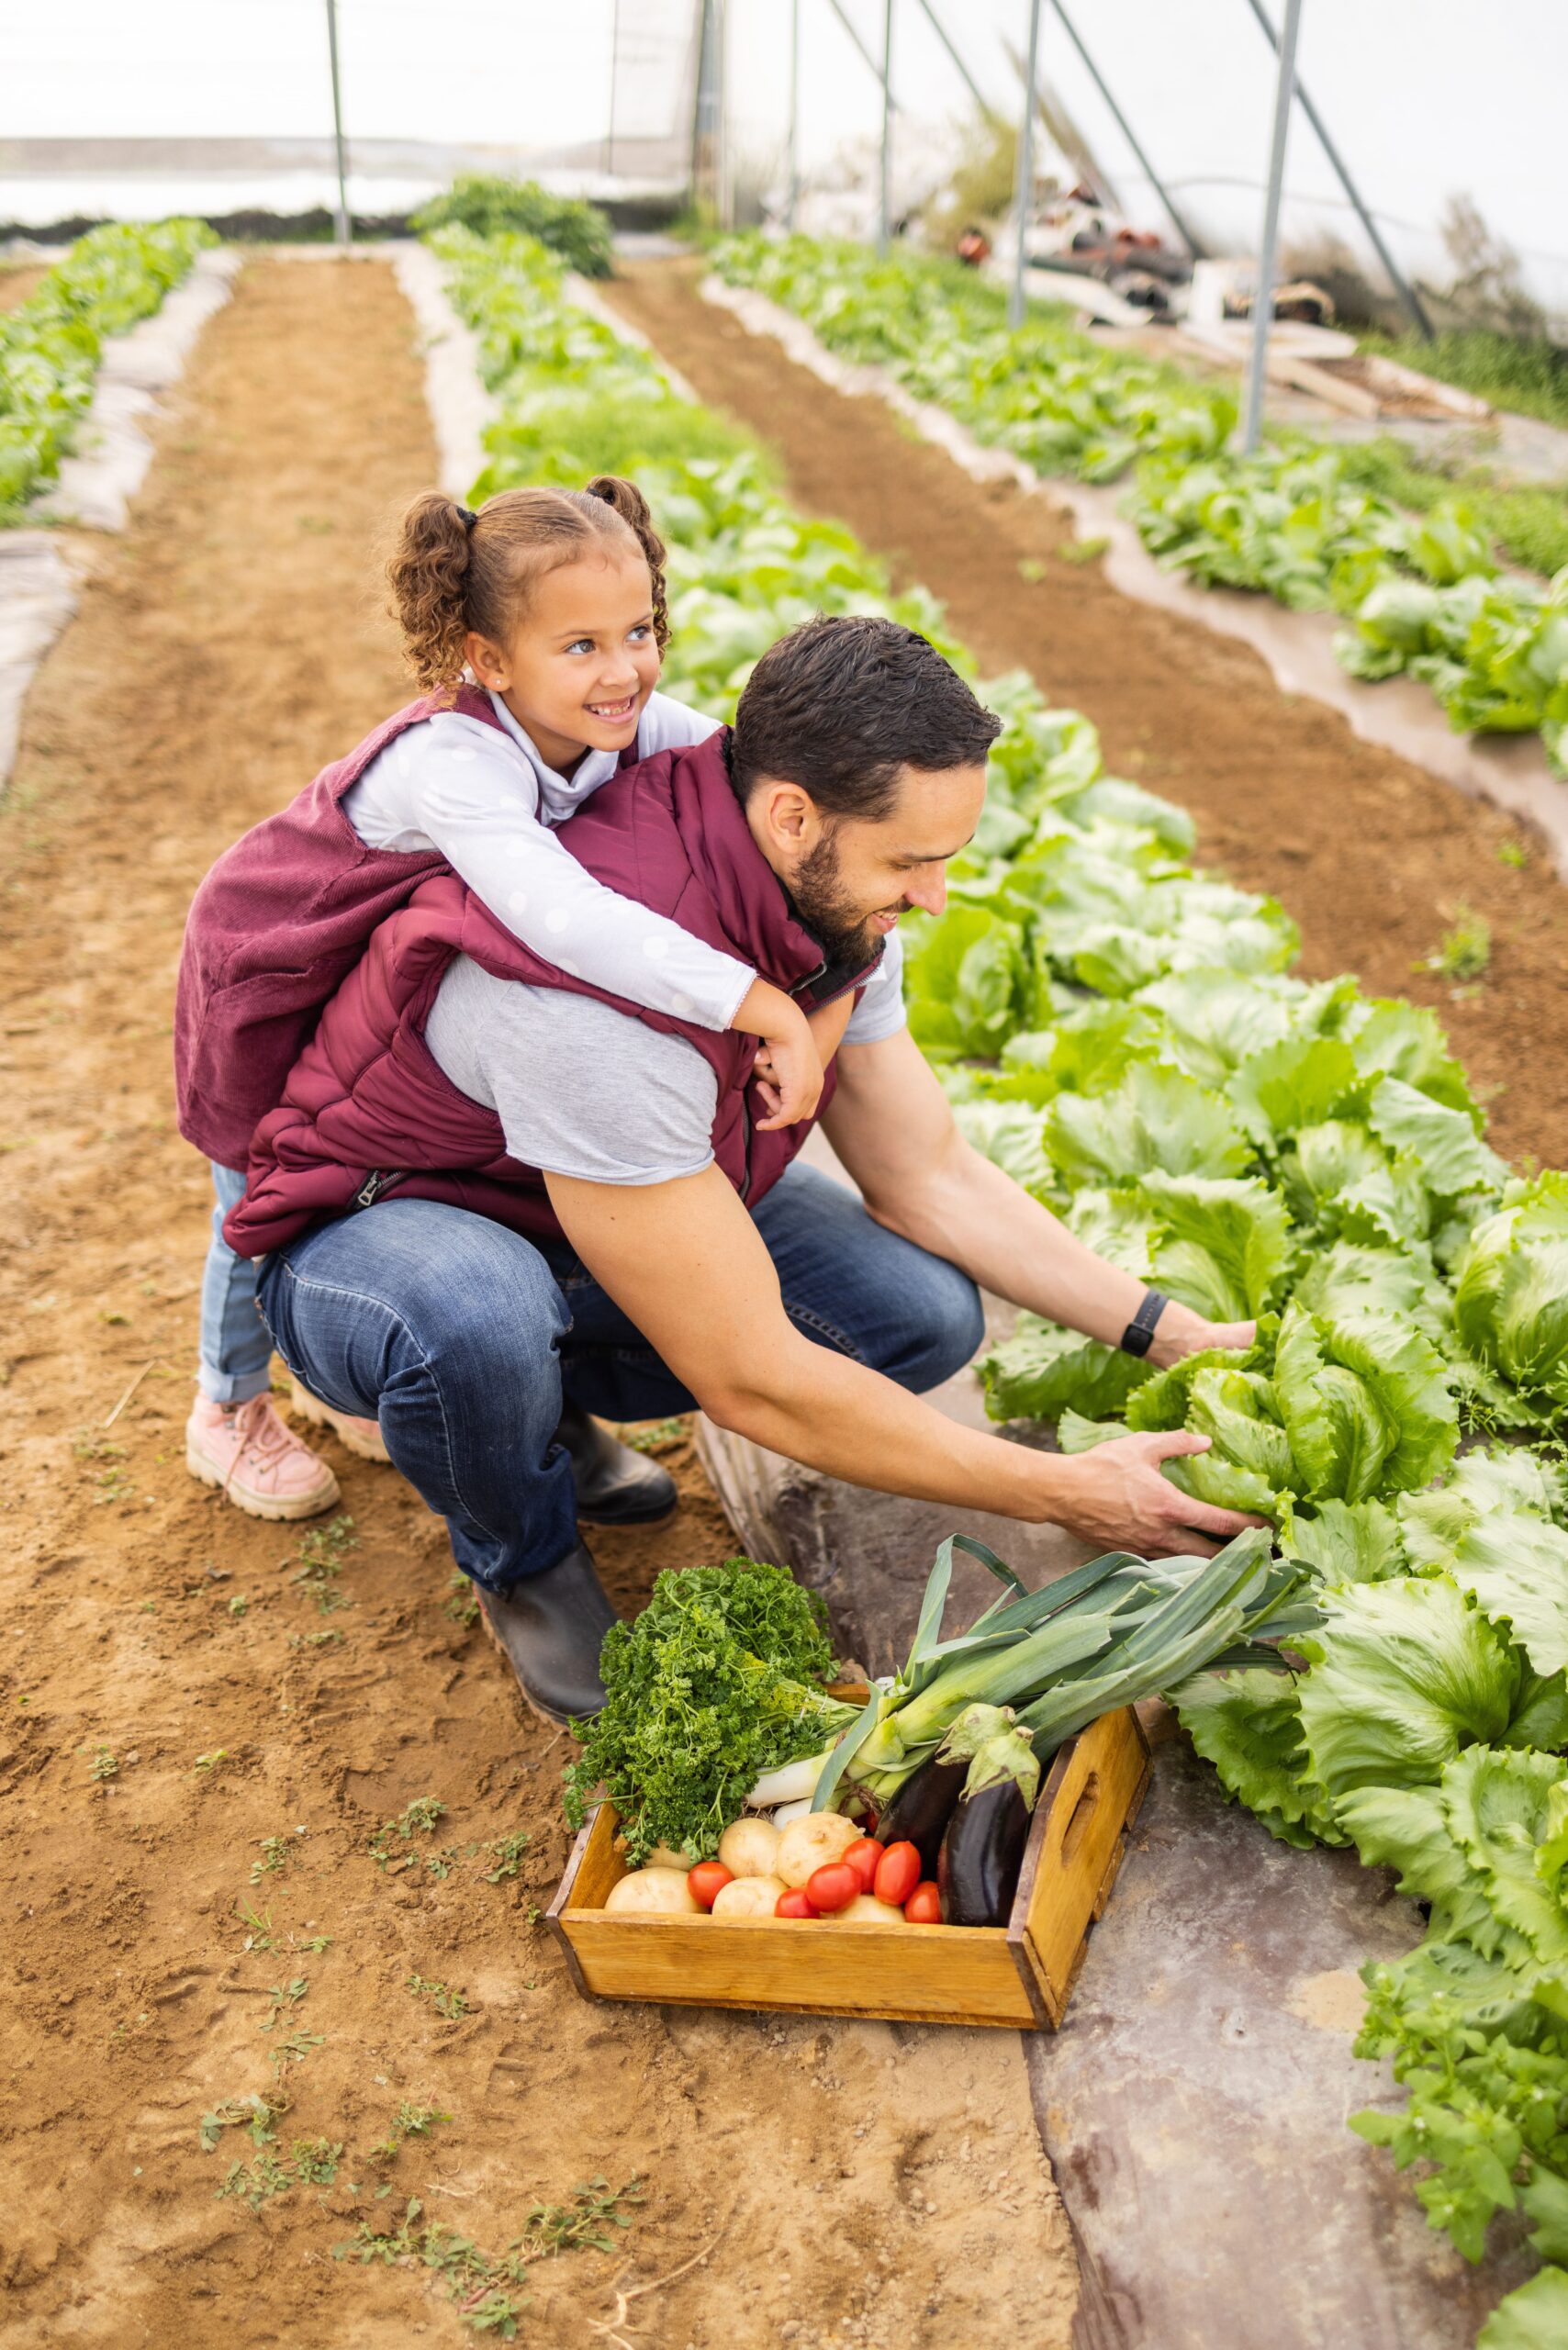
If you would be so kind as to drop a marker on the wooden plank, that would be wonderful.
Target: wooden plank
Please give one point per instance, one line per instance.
(933, 1974)
(1087, 1819)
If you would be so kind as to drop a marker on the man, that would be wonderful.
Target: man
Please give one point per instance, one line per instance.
(537, 1195)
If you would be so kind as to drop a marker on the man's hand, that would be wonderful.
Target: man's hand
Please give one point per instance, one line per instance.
(1115, 1496)
(1180, 1332)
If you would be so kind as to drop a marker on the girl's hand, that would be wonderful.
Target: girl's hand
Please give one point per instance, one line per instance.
(788, 1068)
(790, 1074)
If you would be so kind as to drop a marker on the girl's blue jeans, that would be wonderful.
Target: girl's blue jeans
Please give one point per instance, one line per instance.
(236, 1345)
(462, 1339)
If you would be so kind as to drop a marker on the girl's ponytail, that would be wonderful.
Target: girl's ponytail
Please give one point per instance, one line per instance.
(627, 500)
(429, 575)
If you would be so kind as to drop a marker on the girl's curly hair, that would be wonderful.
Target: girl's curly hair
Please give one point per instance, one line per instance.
(452, 572)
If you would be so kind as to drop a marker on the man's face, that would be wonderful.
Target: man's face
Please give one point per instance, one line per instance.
(851, 877)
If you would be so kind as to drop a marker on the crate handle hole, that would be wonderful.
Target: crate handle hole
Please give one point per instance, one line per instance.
(1083, 1811)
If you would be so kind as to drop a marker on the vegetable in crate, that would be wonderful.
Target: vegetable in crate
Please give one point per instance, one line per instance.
(717, 1680)
(983, 1848)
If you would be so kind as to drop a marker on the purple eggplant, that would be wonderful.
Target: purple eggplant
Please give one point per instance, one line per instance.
(982, 1854)
(920, 1811)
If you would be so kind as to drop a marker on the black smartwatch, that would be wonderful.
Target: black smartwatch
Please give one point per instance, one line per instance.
(1137, 1337)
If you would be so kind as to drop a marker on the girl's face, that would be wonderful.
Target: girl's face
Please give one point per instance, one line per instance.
(581, 662)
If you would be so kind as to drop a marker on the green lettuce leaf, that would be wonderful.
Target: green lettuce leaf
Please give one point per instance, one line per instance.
(1247, 1725)
(1043, 1371)
(1367, 1406)
(1156, 1119)
(964, 977)
(1345, 1541)
(1534, 2316)
(1224, 1242)
(1407, 1828)
(1404, 1675)
(1301, 1082)
(1511, 1288)
(1444, 1143)
(1496, 1805)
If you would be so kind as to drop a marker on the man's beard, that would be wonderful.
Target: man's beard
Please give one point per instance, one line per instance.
(850, 939)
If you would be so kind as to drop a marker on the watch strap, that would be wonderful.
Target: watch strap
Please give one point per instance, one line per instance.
(1137, 1337)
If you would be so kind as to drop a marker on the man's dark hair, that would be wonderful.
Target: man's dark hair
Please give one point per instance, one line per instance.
(840, 706)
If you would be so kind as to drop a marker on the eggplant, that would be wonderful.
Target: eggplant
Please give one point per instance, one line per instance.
(920, 1811)
(982, 1854)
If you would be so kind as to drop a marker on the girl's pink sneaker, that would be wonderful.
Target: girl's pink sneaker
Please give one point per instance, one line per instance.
(362, 1436)
(256, 1460)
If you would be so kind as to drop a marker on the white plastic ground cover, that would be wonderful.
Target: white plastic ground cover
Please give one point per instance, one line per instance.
(1400, 716)
(94, 488)
(459, 405)
(37, 598)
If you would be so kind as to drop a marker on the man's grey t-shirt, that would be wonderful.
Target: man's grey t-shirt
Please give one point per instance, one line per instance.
(583, 1089)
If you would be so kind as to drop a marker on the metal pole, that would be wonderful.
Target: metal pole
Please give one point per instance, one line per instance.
(1263, 299)
(1023, 182)
(1158, 184)
(792, 196)
(1410, 301)
(940, 29)
(883, 206)
(726, 184)
(614, 60)
(838, 11)
(343, 229)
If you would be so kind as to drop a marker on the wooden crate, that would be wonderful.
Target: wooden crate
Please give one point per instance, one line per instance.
(1019, 1974)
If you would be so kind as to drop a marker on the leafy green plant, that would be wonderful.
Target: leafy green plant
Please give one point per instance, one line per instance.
(320, 1562)
(453, 2004)
(579, 232)
(1465, 949)
(486, 2285)
(416, 1818)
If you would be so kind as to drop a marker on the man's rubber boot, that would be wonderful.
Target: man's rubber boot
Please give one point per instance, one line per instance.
(549, 1627)
(616, 1486)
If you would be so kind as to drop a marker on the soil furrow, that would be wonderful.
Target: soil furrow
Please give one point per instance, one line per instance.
(1375, 859)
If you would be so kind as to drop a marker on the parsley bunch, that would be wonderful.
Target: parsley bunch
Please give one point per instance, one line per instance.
(717, 1680)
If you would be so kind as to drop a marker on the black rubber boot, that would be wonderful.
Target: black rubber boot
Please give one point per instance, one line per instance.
(615, 1486)
(549, 1627)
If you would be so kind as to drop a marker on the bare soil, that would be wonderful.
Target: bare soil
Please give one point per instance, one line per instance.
(1375, 858)
(173, 1698)
(16, 282)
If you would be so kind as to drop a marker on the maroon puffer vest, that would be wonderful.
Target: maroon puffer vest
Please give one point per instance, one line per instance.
(368, 1111)
(283, 916)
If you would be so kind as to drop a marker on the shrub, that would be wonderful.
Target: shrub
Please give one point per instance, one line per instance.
(579, 233)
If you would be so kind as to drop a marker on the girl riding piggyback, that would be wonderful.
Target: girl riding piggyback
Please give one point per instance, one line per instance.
(536, 628)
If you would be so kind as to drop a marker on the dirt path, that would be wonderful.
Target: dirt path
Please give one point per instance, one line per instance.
(1372, 856)
(172, 1694)
(16, 282)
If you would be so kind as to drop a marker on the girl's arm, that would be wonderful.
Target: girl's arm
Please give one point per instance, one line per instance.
(458, 788)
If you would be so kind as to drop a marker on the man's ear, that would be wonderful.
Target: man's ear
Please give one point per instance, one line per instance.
(790, 816)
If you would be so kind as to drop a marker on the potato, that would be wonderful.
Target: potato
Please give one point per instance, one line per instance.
(866, 1910)
(749, 1848)
(748, 1897)
(661, 1857)
(653, 1893)
(810, 1843)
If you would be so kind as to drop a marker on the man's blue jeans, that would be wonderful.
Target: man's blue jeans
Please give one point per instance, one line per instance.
(462, 1339)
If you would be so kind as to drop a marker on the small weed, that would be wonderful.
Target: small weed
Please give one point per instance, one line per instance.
(316, 1640)
(446, 2002)
(439, 1865)
(116, 1320)
(104, 1765)
(313, 2162)
(1513, 854)
(256, 2113)
(239, 1605)
(655, 1437)
(277, 1854)
(293, 2051)
(1465, 951)
(417, 1817)
(1083, 549)
(409, 2121)
(461, 1605)
(204, 1765)
(508, 1852)
(259, 1928)
(285, 1995)
(317, 1942)
(319, 1559)
(581, 2224)
(1030, 568)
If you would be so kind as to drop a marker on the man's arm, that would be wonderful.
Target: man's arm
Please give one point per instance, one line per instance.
(893, 1127)
(686, 1262)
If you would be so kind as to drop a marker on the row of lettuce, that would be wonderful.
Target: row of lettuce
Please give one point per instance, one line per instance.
(1123, 1033)
(52, 344)
(1420, 592)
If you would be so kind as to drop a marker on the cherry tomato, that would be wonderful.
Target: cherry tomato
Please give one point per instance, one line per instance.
(923, 1907)
(832, 1886)
(706, 1881)
(793, 1905)
(897, 1873)
(862, 1857)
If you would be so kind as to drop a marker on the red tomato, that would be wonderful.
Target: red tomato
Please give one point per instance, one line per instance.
(793, 1905)
(832, 1886)
(706, 1881)
(862, 1857)
(897, 1873)
(923, 1907)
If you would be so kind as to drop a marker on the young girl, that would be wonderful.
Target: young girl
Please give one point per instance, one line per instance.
(554, 601)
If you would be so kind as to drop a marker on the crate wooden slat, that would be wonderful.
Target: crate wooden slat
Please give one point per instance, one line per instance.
(1018, 1976)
